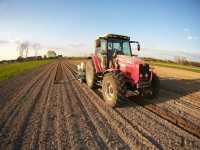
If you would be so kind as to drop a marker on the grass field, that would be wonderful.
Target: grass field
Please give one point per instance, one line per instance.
(9, 70)
(177, 66)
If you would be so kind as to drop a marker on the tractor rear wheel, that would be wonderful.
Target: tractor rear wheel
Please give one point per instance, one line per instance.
(90, 74)
(114, 88)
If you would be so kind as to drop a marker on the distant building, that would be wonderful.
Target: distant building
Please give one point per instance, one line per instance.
(60, 56)
(51, 54)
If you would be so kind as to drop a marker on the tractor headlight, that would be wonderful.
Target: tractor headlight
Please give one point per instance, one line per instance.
(146, 75)
(141, 75)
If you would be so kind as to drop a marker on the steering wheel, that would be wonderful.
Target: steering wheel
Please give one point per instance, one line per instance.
(117, 52)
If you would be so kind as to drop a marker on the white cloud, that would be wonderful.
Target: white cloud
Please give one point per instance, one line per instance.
(189, 37)
(192, 37)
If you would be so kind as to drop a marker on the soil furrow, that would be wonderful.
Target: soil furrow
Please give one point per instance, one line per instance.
(46, 135)
(183, 120)
(108, 135)
(10, 110)
(10, 88)
(85, 125)
(18, 124)
(61, 129)
(188, 100)
(31, 134)
(97, 121)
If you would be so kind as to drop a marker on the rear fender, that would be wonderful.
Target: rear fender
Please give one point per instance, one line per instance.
(96, 63)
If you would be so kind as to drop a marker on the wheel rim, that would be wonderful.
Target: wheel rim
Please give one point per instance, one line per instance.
(109, 91)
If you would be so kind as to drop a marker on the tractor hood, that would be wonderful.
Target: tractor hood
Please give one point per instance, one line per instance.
(130, 66)
(134, 60)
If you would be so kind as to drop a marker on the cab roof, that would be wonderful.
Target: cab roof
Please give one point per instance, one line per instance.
(115, 36)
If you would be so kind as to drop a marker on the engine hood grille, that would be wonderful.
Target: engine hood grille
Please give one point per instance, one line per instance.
(144, 68)
(144, 71)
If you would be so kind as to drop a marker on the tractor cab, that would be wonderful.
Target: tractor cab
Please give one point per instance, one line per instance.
(111, 45)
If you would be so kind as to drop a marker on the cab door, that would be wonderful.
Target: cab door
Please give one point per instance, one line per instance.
(101, 52)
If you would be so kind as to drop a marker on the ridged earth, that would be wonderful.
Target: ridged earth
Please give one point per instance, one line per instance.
(47, 108)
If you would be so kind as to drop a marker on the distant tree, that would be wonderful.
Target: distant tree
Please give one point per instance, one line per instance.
(36, 47)
(45, 56)
(23, 47)
(51, 54)
(20, 58)
(181, 60)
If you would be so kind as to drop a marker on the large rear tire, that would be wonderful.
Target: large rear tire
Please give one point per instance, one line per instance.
(114, 88)
(90, 74)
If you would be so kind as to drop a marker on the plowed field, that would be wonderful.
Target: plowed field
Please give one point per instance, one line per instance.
(47, 108)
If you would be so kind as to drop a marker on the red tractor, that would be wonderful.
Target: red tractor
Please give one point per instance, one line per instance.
(114, 68)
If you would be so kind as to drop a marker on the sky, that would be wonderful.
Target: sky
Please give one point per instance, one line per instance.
(165, 29)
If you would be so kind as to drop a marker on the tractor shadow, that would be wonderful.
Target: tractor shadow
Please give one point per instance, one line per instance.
(170, 89)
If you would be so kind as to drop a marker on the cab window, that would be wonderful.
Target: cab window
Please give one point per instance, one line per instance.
(117, 46)
(100, 45)
(101, 53)
(126, 48)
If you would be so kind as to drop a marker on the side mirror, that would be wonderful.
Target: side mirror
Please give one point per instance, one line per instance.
(138, 44)
(138, 47)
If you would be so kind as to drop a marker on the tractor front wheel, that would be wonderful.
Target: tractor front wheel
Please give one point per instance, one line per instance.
(113, 88)
(90, 74)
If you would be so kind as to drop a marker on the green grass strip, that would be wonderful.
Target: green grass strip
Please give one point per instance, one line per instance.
(9, 70)
(177, 66)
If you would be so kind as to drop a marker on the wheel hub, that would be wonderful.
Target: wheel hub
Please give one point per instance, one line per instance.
(109, 90)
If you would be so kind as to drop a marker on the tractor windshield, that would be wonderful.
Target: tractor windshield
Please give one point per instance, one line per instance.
(122, 47)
